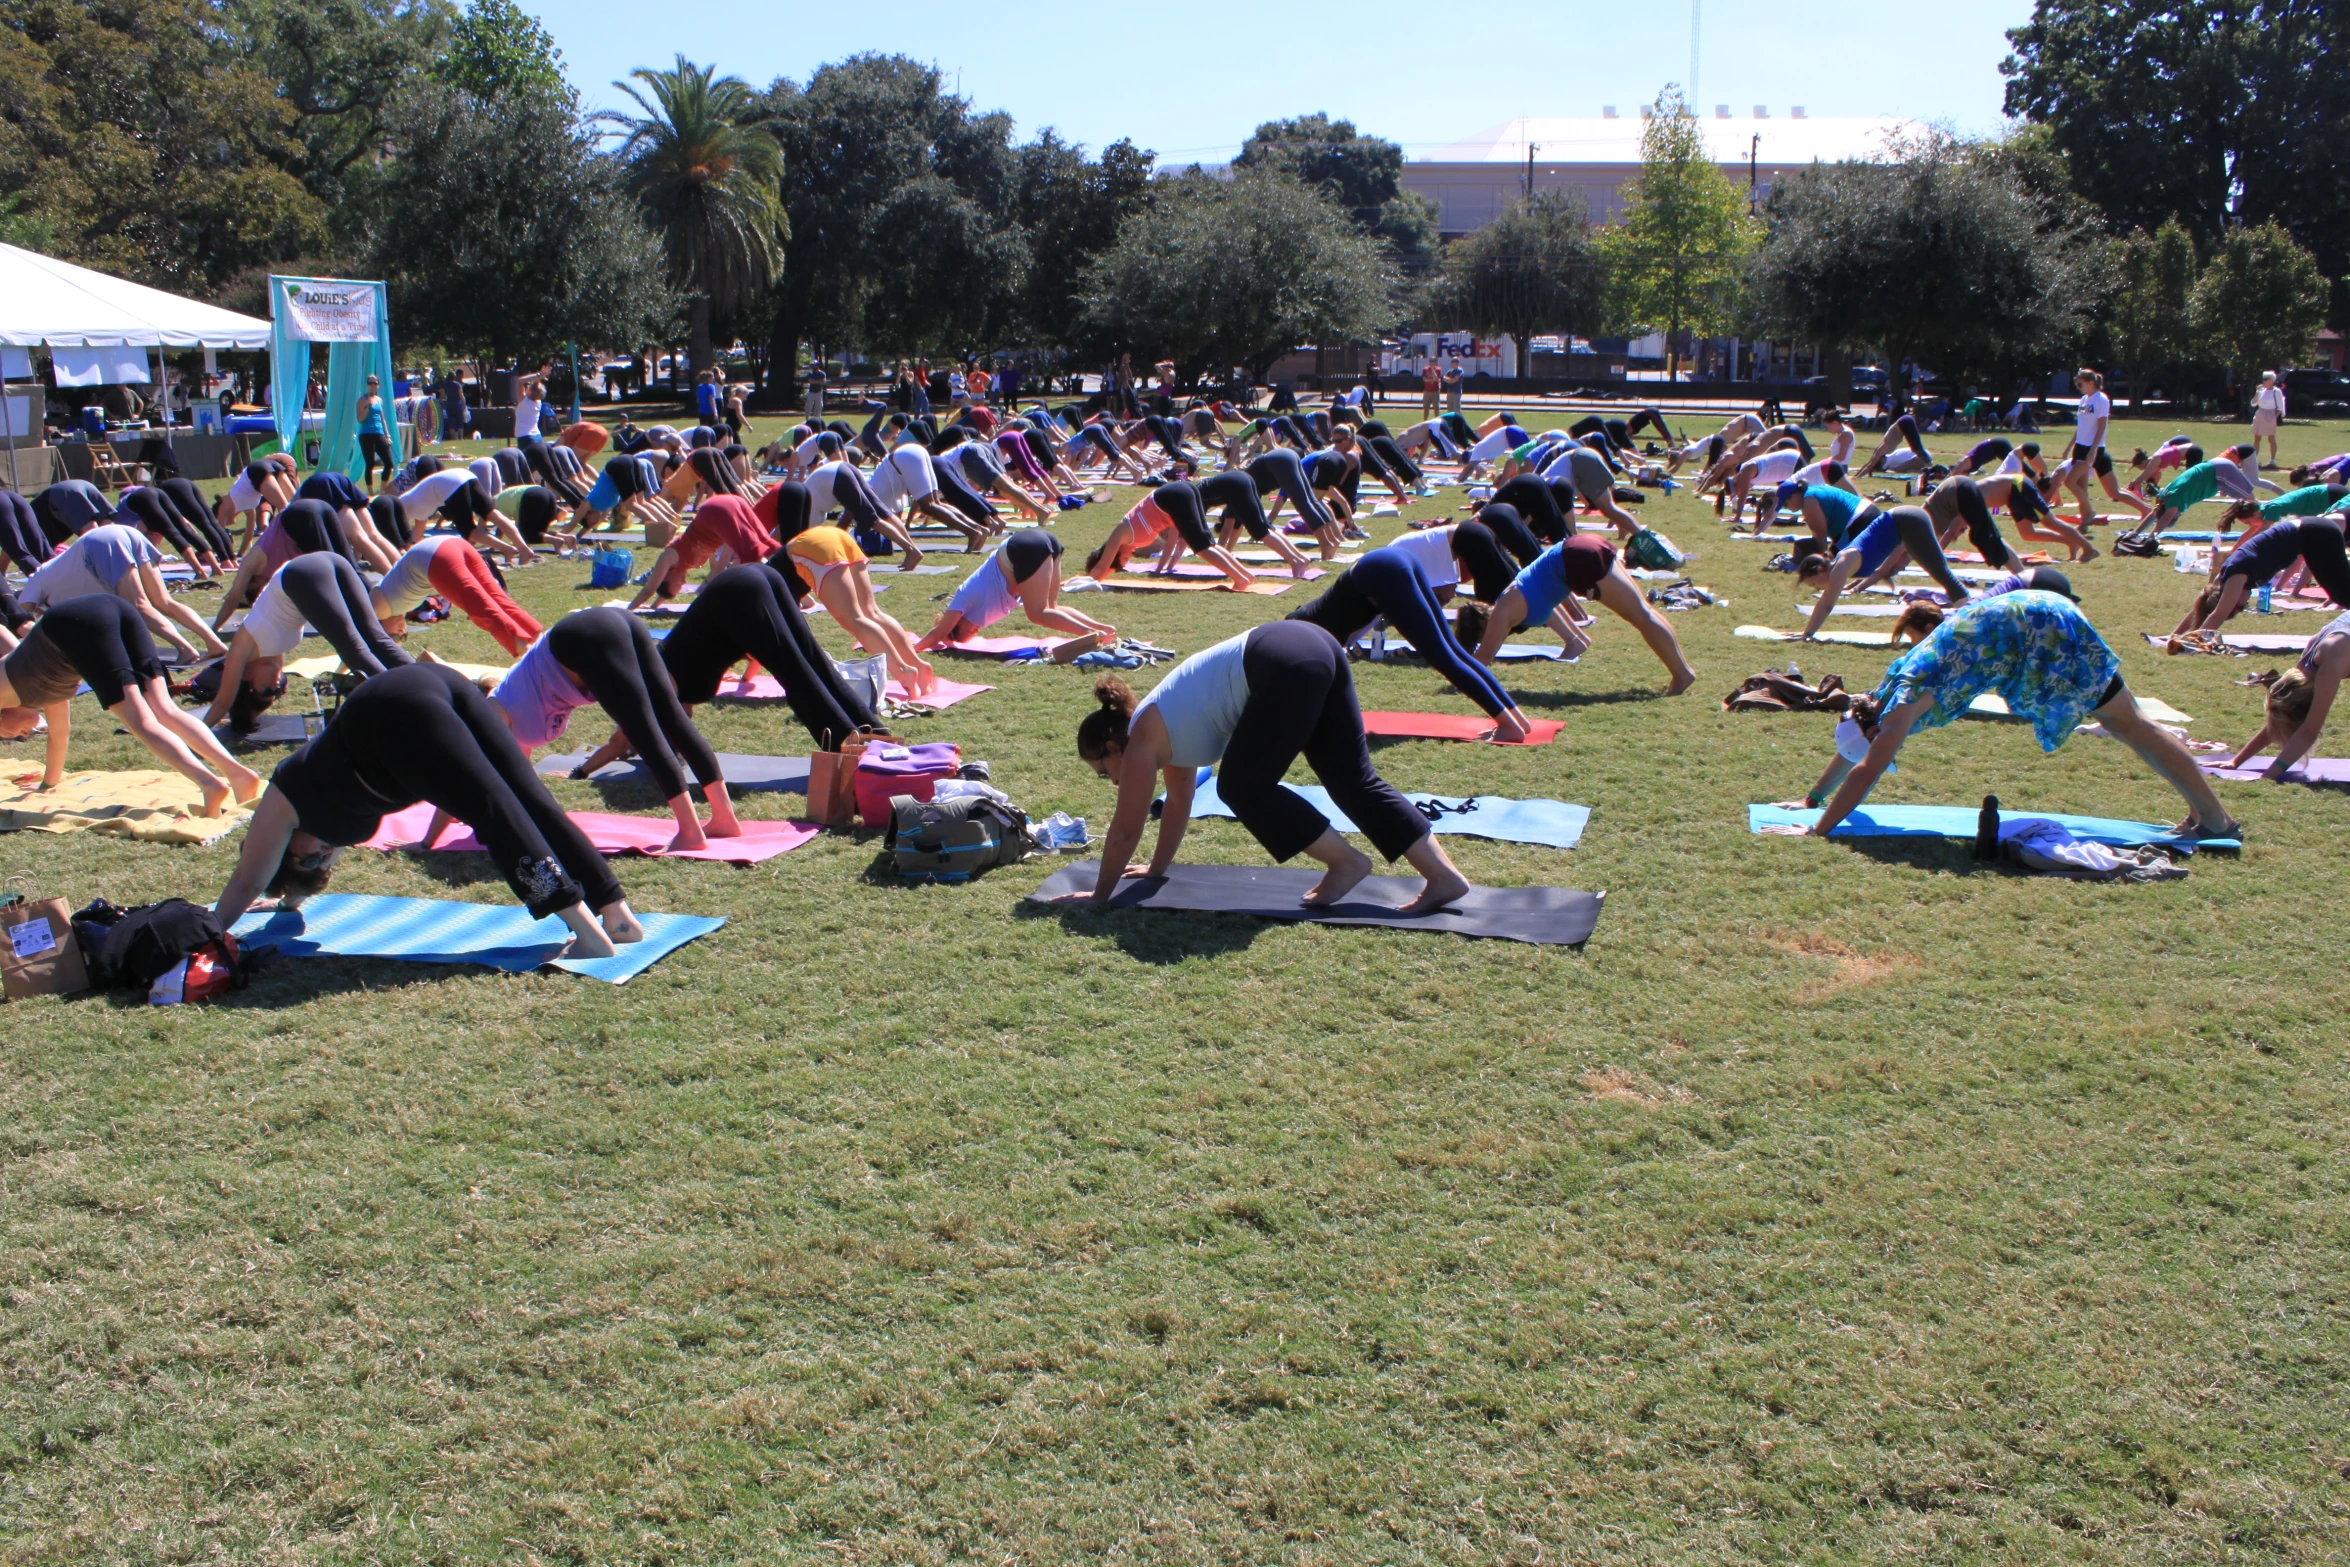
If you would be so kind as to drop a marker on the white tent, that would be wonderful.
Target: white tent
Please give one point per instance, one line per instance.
(44, 301)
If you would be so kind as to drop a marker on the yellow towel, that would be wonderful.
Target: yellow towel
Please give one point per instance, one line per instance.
(328, 663)
(153, 807)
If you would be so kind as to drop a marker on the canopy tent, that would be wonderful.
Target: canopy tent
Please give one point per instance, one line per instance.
(52, 303)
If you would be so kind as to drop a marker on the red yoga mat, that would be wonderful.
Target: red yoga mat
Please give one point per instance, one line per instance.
(1451, 726)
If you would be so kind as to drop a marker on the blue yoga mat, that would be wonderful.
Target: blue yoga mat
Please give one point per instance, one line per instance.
(1961, 821)
(1550, 823)
(1398, 649)
(430, 930)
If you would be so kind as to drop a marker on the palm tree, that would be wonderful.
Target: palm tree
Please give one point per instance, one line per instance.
(707, 171)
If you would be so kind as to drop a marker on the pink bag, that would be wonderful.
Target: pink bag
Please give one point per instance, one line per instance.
(887, 770)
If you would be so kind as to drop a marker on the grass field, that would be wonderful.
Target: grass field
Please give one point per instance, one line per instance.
(1838, 1203)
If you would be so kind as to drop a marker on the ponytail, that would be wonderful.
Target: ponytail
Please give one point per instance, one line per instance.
(2289, 697)
(1104, 729)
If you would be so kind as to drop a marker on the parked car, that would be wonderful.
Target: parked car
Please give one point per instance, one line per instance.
(2317, 391)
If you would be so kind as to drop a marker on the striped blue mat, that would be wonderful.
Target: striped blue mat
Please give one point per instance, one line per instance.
(1960, 821)
(1553, 824)
(430, 930)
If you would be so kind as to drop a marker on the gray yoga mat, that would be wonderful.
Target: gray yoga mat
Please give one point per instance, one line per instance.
(744, 774)
(1543, 916)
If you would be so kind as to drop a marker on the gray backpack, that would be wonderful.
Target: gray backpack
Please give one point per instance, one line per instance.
(955, 839)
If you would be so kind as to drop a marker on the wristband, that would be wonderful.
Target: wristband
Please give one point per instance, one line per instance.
(1811, 799)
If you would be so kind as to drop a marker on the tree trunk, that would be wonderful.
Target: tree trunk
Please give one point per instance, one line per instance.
(699, 349)
(783, 351)
(1837, 366)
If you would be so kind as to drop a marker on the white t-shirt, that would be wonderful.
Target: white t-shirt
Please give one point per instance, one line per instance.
(526, 415)
(274, 620)
(1772, 467)
(1430, 550)
(409, 582)
(2270, 399)
(904, 475)
(2089, 425)
(1840, 449)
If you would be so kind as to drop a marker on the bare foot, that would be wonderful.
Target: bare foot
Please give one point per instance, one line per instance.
(245, 784)
(216, 798)
(590, 943)
(1340, 879)
(2092, 553)
(620, 923)
(1509, 730)
(1440, 890)
(1681, 683)
(913, 558)
(689, 838)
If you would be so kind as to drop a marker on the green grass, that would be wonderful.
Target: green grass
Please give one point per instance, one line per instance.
(1839, 1203)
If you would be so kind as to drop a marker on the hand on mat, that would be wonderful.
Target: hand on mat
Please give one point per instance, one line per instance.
(1792, 805)
(1786, 830)
(30, 781)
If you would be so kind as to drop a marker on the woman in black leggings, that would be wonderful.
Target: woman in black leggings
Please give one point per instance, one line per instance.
(751, 612)
(1249, 707)
(606, 656)
(21, 538)
(100, 639)
(147, 510)
(2262, 555)
(426, 734)
(321, 591)
(1283, 473)
(1530, 497)
(188, 503)
(1389, 583)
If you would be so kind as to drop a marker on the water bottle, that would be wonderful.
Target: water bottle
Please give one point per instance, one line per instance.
(2265, 598)
(1793, 673)
(1987, 829)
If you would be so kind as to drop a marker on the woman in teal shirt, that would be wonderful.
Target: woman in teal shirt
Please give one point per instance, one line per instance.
(375, 435)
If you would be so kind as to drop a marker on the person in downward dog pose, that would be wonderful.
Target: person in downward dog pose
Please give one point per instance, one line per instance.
(726, 531)
(1176, 513)
(99, 639)
(831, 568)
(1389, 584)
(419, 734)
(1024, 570)
(1250, 706)
(2299, 701)
(1577, 567)
(322, 591)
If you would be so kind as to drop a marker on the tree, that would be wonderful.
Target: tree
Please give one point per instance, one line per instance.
(2217, 112)
(2148, 322)
(1363, 174)
(952, 277)
(1940, 256)
(706, 169)
(532, 239)
(1533, 270)
(2259, 302)
(1675, 259)
(1071, 209)
(497, 49)
(1219, 272)
(336, 65)
(146, 145)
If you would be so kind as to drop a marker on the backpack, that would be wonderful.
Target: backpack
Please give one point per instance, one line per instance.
(130, 949)
(955, 839)
(1653, 550)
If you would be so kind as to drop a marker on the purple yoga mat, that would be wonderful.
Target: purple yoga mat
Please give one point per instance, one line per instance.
(2310, 769)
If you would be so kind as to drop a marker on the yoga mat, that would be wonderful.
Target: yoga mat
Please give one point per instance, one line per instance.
(1453, 726)
(744, 774)
(1552, 824)
(1544, 916)
(1197, 571)
(611, 834)
(431, 930)
(328, 663)
(1873, 611)
(1848, 638)
(1260, 587)
(274, 729)
(2309, 770)
(1398, 650)
(1961, 821)
(766, 688)
(1268, 558)
(148, 805)
(1003, 647)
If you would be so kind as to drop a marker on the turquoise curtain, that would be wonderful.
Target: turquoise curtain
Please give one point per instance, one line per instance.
(289, 374)
(348, 365)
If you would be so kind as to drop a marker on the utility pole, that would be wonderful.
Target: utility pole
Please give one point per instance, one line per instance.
(1529, 173)
(1695, 8)
(1753, 156)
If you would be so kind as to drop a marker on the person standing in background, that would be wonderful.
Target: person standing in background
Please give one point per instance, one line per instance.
(1452, 384)
(529, 404)
(1431, 382)
(814, 407)
(2268, 414)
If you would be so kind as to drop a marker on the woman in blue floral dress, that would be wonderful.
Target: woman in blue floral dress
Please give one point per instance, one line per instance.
(2038, 653)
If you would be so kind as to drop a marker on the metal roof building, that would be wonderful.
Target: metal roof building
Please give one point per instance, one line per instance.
(1476, 180)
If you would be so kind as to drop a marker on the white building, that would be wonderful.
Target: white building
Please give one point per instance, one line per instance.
(1476, 180)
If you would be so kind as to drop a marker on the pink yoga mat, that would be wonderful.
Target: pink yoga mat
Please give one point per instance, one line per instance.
(766, 688)
(1452, 726)
(1004, 647)
(1200, 571)
(612, 834)
(2310, 769)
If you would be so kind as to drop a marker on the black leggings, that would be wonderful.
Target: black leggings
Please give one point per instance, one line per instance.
(1184, 508)
(1301, 699)
(2317, 540)
(377, 450)
(184, 499)
(1459, 430)
(1509, 530)
(1284, 471)
(858, 504)
(1921, 539)
(105, 642)
(1386, 460)
(1027, 551)
(1234, 496)
(427, 733)
(1907, 428)
(21, 536)
(960, 495)
(1981, 527)
(333, 598)
(536, 514)
(1537, 507)
(313, 529)
(1169, 433)
(390, 519)
(751, 612)
(1389, 582)
(794, 509)
(1649, 417)
(157, 515)
(610, 652)
(1479, 554)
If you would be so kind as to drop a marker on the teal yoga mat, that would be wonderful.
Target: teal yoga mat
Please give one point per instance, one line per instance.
(1960, 821)
(1552, 824)
(431, 930)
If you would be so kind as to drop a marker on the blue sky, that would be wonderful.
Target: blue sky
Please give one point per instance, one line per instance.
(1191, 81)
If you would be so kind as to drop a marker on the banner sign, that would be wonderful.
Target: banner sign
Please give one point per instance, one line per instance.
(327, 312)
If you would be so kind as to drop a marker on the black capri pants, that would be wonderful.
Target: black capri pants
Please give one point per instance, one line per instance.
(1501, 521)
(314, 530)
(1981, 527)
(1235, 497)
(1537, 507)
(390, 519)
(610, 652)
(21, 536)
(1184, 508)
(794, 509)
(333, 597)
(752, 612)
(2317, 540)
(1479, 555)
(188, 502)
(1389, 583)
(105, 642)
(535, 514)
(153, 514)
(1301, 700)
(1027, 551)
(1386, 460)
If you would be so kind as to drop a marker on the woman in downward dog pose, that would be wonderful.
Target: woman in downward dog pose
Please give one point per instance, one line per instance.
(1249, 707)
(2300, 699)
(725, 532)
(2043, 657)
(832, 568)
(322, 591)
(1174, 512)
(1388, 583)
(446, 564)
(1577, 567)
(2318, 541)
(426, 734)
(100, 639)
(1024, 570)
(606, 656)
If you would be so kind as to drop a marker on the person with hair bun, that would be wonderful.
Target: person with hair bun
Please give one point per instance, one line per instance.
(1249, 707)
(2300, 699)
